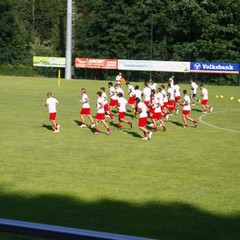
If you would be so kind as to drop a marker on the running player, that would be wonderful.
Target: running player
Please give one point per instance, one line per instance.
(186, 110)
(205, 99)
(85, 111)
(142, 110)
(52, 104)
(100, 116)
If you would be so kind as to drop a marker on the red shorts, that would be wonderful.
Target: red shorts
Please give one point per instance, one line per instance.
(177, 99)
(85, 111)
(165, 104)
(151, 111)
(204, 102)
(131, 100)
(146, 103)
(52, 116)
(186, 112)
(113, 102)
(100, 116)
(171, 104)
(142, 122)
(106, 108)
(157, 116)
(121, 115)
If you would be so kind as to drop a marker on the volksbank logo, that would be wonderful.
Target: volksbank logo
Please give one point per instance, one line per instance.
(218, 67)
(213, 67)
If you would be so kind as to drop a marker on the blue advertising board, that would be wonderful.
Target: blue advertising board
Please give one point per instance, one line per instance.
(213, 67)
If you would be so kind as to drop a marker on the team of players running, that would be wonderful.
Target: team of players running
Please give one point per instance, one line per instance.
(153, 102)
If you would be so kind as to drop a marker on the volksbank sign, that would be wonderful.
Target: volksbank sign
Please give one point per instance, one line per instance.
(203, 67)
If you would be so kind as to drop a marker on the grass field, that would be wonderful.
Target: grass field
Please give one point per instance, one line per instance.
(182, 184)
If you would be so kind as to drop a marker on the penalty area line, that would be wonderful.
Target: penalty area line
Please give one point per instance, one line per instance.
(216, 127)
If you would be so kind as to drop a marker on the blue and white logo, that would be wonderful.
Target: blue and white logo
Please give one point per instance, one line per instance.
(197, 66)
(205, 67)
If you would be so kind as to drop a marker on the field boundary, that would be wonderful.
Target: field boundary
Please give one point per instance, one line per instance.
(214, 126)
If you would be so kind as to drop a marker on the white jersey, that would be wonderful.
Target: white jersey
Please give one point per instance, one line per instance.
(118, 79)
(186, 100)
(171, 81)
(130, 90)
(52, 104)
(147, 93)
(122, 104)
(100, 104)
(104, 97)
(171, 93)
(204, 94)
(119, 90)
(176, 90)
(159, 97)
(165, 98)
(137, 93)
(112, 93)
(143, 108)
(156, 105)
(194, 87)
(153, 86)
(85, 101)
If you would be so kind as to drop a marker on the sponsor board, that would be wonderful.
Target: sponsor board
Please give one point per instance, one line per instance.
(39, 61)
(97, 63)
(161, 66)
(212, 67)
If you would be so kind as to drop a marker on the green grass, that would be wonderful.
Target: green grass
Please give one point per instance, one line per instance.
(183, 184)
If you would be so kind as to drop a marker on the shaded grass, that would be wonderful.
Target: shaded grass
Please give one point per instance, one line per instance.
(184, 179)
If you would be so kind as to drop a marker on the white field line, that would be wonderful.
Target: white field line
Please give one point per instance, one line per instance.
(213, 126)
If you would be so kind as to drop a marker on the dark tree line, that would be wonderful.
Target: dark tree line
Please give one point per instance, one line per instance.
(187, 30)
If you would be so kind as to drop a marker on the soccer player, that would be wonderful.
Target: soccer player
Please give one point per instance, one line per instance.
(52, 104)
(131, 98)
(122, 103)
(105, 102)
(85, 111)
(193, 87)
(113, 97)
(142, 110)
(157, 113)
(152, 85)
(165, 101)
(177, 94)
(171, 81)
(171, 105)
(137, 93)
(146, 94)
(118, 89)
(205, 99)
(186, 110)
(100, 116)
(118, 78)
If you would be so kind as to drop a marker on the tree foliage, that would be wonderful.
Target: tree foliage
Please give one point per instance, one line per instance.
(187, 30)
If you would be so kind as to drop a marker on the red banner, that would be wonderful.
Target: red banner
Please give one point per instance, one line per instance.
(97, 63)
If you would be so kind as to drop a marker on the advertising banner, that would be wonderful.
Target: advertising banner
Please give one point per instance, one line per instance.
(212, 67)
(97, 63)
(146, 65)
(49, 62)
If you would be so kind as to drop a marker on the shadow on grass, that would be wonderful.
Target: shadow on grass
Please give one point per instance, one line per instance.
(49, 127)
(79, 123)
(176, 123)
(159, 220)
(197, 110)
(134, 134)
